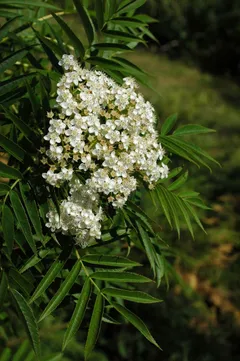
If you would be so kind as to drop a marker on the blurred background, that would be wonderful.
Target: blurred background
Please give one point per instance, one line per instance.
(195, 71)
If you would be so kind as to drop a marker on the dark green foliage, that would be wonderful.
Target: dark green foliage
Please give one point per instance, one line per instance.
(45, 273)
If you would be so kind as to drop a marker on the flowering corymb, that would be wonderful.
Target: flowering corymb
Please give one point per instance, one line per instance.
(105, 132)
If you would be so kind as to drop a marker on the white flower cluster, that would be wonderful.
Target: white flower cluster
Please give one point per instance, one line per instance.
(80, 214)
(106, 132)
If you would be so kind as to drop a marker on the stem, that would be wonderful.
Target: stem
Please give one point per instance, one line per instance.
(14, 184)
(89, 276)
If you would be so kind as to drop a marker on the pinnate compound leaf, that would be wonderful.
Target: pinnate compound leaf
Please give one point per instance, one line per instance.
(134, 296)
(114, 276)
(168, 124)
(29, 320)
(187, 150)
(114, 261)
(22, 219)
(63, 291)
(31, 207)
(9, 172)
(47, 280)
(86, 20)
(136, 322)
(8, 227)
(78, 313)
(95, 325)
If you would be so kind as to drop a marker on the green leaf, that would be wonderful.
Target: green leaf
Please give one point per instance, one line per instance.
(134, 296)
(145, 18)
(76, 42)
(12, 148)
(99, 6)
(31, 207)
(30, 321)
(108, 319)
(9, 172)
(78, 313)
(112, 47)
(121, 35)
(110, 9)
(39, 4)
(8, 227)
(178, 182)
(128, 65)
(168, 124)
(6, 355)
(22, 351)
(33, 99)
(3, 288)
(23, 127)
(10, 60)
(135, 321)
(127, 22)
(143, 218)
(195, 202)
(104, 63)
(62, 291)
(4, 189)
(134, 5)
(54, 357)
(50, 54)
(10, 84)
(34, 260)
(16, 280)
(174, 172)
(86, 20)
(106, 260)
(164, 204)
(95, 325)
(114, 276)
(169, 203)
(148, 246)
(22, 219)
(4, 30)
(186, 150)
(47, 280)
(192, 129)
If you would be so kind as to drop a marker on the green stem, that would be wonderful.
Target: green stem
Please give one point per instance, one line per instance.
(14, 184)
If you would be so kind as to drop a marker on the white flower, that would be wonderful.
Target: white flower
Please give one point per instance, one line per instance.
(107, 131)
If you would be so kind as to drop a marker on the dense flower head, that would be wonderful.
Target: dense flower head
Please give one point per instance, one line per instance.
(104, 130)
